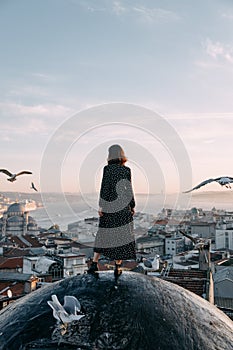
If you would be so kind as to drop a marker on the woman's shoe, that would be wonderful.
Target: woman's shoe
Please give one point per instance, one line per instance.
(93, 268)
(117, 270)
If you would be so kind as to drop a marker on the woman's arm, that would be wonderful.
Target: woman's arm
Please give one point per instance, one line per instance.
(104, 190)
(132, 202)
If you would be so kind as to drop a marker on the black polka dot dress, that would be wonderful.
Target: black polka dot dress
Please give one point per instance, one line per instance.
(115, 236)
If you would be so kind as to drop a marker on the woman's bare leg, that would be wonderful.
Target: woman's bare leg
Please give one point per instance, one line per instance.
(117, 270)
(118, 262)
(96, 257)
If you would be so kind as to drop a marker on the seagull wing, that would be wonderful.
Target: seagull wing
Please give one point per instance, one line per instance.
(203, 183)
(33, 187)
(147, 263)
(56, 301)
(58, 311)
(71, 304)
(23, 172)
(5, 172)
(55, 308)
(66, 318)
(193, 239)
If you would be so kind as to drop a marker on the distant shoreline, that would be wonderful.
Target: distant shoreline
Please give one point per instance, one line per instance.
(207, 192)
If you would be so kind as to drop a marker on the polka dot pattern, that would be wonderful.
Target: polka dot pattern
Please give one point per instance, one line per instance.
(115, 238)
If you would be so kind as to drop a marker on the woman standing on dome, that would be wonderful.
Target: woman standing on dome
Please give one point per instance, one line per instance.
(115, 238)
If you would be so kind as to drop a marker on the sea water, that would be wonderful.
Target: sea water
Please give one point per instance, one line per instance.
(62, 209)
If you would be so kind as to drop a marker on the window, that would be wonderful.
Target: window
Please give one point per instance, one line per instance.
(226, 240)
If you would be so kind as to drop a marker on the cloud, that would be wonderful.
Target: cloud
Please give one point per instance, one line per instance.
(19, 119)
(138, 11)
(198, 116)
(29, 90)
(227, 15)
(118, 8)
(208, 65)
(196, 129)
(154, 14)
(42, 76)
(90, 6)
(39, 110)
(217, 50)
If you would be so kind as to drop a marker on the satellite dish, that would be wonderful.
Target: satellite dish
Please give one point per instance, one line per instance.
(9, 293)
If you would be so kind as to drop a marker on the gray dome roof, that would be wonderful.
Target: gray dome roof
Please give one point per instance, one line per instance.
(16, 208)
(15, 219)
(31, 220)
(31, 224)
(139, 313)
(194, 211)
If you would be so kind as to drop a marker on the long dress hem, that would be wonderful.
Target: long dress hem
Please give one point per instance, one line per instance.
(124, 252)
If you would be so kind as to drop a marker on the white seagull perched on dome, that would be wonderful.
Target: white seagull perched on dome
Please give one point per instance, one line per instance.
(69, 312)
(148, 265)
(12, 177)
(223, 181)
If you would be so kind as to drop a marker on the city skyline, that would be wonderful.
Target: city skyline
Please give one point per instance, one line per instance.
(62, 60)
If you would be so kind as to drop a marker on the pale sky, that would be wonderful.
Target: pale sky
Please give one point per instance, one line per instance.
(64, 62)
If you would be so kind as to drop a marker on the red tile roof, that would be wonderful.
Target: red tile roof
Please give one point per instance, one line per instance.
(193, 280)
(16, 252)
(22, 243)
(11, 263)
(33, 241)
(17, 289)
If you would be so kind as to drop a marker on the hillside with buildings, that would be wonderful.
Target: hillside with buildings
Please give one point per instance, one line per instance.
(192, 248)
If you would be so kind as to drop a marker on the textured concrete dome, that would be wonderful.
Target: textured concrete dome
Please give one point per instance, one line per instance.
(140, 313)
(31, 220)
(16, 208)
(194, 211)
(16, 219)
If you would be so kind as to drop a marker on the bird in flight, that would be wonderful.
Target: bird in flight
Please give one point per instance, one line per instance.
(33, 187)
(223, 181)
(199, 243)
(12, 177)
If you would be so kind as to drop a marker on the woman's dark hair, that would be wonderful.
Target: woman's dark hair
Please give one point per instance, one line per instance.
(116, 155)
(120, 161)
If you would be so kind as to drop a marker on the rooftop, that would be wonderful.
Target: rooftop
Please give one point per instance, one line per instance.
(13, 276)
(11, 263)
(193, 280)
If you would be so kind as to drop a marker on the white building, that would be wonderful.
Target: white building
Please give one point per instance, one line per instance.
(73, 264)
(174, 245)
(83, 230)
(223, 283)
(202, 229)
(40, 265)
(224, 239)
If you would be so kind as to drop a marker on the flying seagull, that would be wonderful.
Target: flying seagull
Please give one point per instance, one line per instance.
(12, 177)
(33, 187)
(223, 181)
(199, 243)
